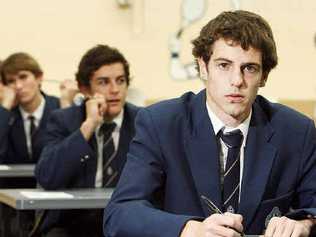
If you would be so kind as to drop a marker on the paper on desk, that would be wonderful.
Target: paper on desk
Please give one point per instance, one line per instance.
(46, 195)
(4, 167)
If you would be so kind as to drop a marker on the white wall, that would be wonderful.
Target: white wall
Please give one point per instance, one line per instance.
(57, 33)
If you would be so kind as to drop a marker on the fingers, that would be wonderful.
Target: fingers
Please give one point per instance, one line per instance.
(285, 227)
(217, 230)
(68, 83)
(96, 107)
(224, 225)
(272, 226)
(7, 97)
(68, 88)
(99, 100)
(235, 221)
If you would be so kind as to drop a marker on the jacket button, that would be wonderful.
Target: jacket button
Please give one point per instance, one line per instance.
(109, 171)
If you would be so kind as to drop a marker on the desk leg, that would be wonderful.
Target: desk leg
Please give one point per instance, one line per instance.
(2, 221)
(7, 218)
(25, 222)
(14, 223)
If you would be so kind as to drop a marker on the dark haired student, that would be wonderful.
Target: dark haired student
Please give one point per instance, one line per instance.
(225, 161)
(87, 145)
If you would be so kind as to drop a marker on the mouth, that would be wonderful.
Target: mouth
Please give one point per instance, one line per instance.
(21, 95)
(235, 98)
(113, 102)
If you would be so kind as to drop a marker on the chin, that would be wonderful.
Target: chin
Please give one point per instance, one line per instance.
(114, 113)
(236, 112)
(24, 101)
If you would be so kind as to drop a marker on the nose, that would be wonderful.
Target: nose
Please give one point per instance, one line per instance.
(18, 85)
(114, 88)
(237, 78)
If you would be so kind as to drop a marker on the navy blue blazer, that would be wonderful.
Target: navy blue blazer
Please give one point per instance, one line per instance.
(174, 159)
(13, 148)
(68, 160)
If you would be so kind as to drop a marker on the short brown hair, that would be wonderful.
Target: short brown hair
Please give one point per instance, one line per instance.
(97, 57)
(245, 28)
(17, 62)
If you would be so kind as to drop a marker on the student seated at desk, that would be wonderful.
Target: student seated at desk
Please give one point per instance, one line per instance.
(24, 110)
(87, 145)
(255, 160)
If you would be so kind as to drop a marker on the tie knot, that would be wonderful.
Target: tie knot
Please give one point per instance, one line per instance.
(232, 139)
(31, 118)
(106, 129)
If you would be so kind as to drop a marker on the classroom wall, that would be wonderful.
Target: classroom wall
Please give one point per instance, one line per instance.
(58, 33)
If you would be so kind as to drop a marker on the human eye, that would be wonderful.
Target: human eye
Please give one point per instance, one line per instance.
(251, 69)
(23, 76)
(121, 80)
(10, 81)
(102, 81)
(223, 66)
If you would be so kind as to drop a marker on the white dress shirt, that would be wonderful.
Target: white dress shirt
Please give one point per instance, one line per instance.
(219, 125)
(37, 114)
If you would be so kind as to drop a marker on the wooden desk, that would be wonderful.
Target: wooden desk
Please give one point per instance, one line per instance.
(23, 170)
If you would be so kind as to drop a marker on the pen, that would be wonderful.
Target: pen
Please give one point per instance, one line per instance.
(211, 205)
(215, 209)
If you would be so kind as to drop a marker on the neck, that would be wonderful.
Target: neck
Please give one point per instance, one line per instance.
(33, 105)
(228, 119)
(108, 119)
(232, 122)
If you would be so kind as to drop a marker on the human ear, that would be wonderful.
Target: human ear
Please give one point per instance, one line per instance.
(203, 69)
(85, 90)
(263, 80)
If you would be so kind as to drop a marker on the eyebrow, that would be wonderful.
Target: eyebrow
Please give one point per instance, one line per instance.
(22, 74)
(102, 78)
(243, 64)
(223, 59)
(251, 64)
(106, 78)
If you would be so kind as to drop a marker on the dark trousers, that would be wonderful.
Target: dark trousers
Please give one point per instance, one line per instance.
(82, 223)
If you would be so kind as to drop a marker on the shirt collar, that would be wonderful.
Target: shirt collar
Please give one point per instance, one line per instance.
(38, 113)
(219, 125)
(118, 120)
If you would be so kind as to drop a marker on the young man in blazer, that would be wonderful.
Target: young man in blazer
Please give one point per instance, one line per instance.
(23, 107)
(77, 154)
(183, 150)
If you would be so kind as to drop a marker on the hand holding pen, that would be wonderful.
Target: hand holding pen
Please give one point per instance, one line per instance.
(229, 221)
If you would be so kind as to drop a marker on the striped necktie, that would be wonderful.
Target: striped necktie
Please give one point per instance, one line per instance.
(233, 141)
(109, 153)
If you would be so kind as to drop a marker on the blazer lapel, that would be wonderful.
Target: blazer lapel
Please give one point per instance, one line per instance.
(258, 160)
(46, 112)
(50, 105)
(19, 132)
(127, 132)
(39, 134)
(203, 153)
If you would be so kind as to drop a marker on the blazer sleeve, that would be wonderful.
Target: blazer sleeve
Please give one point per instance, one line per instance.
(136, 205)
(306, 188)
(65, 155)
(5, 116)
